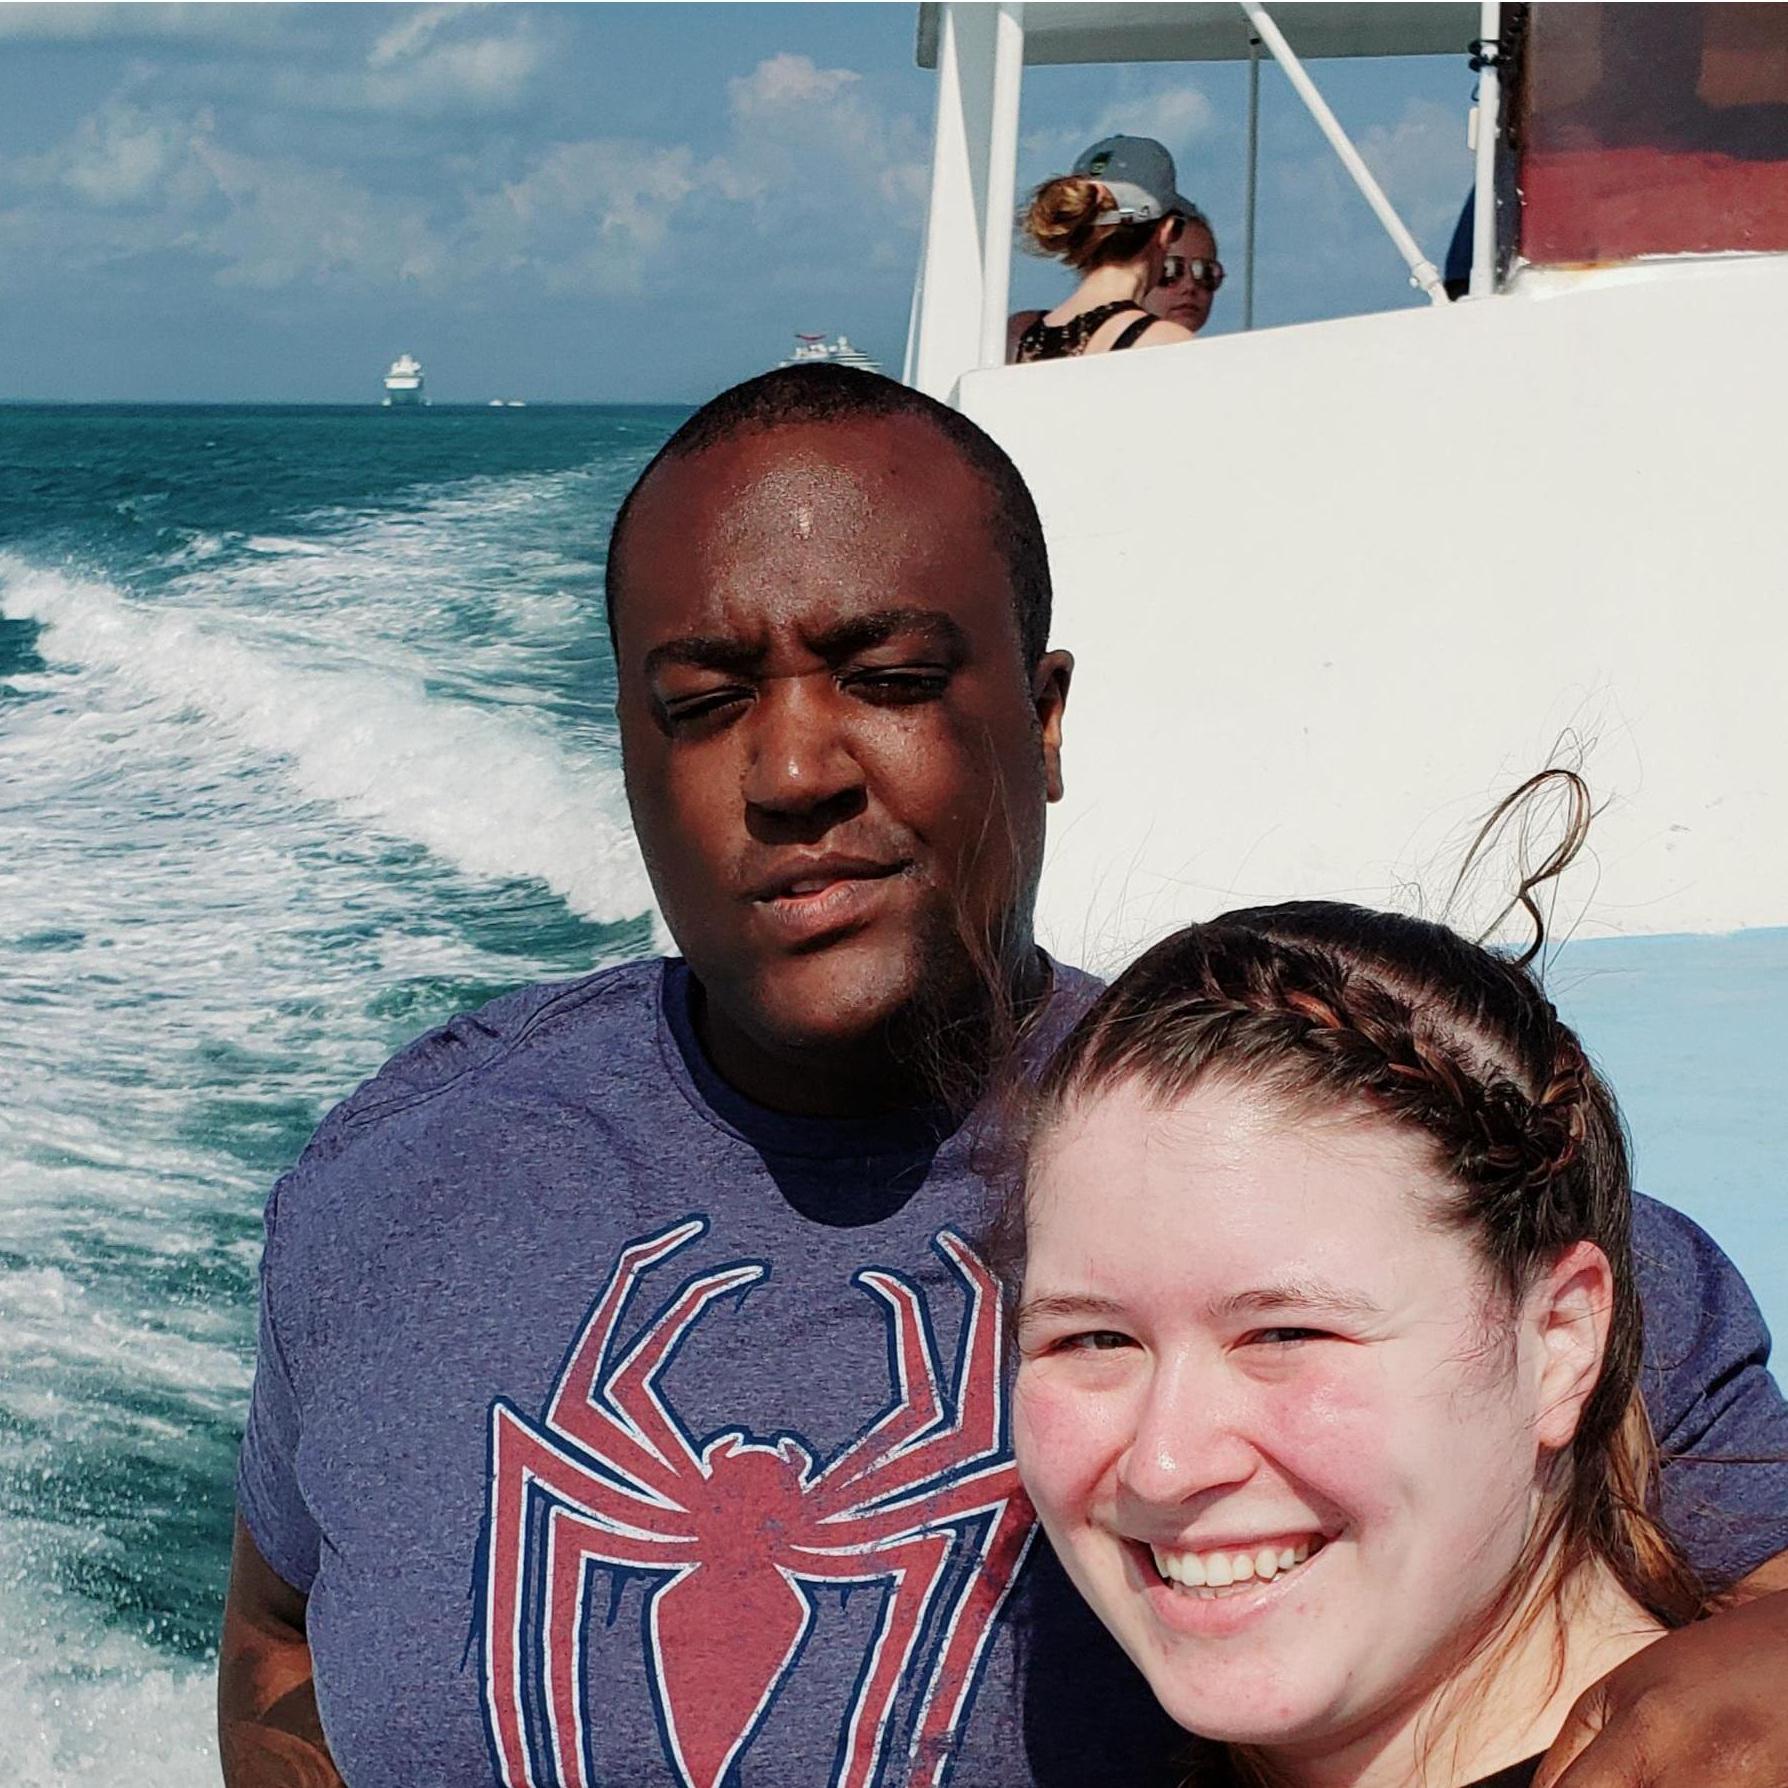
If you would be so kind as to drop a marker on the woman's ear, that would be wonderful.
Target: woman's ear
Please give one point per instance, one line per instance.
(1566, 1316)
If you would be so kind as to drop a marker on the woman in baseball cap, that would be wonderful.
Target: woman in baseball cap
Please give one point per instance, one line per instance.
(1113, 220)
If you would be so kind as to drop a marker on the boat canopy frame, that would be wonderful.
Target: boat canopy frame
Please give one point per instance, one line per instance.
(979, 50)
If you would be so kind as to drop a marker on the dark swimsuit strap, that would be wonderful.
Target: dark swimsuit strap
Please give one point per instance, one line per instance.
(1062, 341)
(1133, 334)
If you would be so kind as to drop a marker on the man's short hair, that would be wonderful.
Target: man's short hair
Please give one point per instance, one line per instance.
(801, 394)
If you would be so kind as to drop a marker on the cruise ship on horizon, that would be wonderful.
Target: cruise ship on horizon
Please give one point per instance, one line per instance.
(816, 350)
(403, 383)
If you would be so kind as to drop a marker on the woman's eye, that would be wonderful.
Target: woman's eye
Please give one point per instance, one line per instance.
(1093, 1341)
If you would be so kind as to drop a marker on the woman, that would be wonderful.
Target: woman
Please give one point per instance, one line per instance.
(1329, 1350)
(1113, 220)
(1191, 277)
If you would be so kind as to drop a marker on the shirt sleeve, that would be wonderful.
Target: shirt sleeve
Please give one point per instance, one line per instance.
(267, 1489)
(1721, 1422)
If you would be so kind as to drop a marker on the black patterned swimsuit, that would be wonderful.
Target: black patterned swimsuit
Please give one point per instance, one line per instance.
(1062, 341)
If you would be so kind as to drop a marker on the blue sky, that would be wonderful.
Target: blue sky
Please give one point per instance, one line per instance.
(581, 203)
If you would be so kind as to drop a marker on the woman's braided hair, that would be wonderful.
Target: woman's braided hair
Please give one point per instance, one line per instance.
(1322, 1003)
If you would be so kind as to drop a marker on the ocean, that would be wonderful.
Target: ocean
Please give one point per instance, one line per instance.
(306, 743)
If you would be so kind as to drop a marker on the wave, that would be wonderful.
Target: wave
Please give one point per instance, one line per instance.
(488, 791)
(82, 1707)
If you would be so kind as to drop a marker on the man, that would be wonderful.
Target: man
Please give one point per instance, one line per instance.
(630, 1406)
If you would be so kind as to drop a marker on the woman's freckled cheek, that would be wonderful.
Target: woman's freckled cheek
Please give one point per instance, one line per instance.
(1330, 1428)
(1064, 1440)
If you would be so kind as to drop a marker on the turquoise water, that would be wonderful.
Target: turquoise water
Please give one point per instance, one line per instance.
(306, 743)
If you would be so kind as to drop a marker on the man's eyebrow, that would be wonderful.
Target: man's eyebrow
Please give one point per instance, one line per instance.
(1295, 1294)
(1063, 1305)
(861, 632)
(704, 652)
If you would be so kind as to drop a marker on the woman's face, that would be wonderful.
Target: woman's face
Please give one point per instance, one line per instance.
(1266, 1408)
(1176, 295)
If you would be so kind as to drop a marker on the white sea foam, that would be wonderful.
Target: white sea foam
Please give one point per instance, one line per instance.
(485, 790)
(82, 1704)
(211, 806)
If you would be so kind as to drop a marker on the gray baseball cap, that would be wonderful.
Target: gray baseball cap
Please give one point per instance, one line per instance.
(1139, 174)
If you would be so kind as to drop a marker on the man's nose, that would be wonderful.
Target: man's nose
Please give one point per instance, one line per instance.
(801, 765)
(1190, 1438)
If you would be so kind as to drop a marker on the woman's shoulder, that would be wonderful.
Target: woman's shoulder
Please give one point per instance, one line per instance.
(1134, 327)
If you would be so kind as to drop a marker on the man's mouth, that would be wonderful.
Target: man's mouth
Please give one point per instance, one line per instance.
(1213, 1573)
(819, 896)
(815, 876)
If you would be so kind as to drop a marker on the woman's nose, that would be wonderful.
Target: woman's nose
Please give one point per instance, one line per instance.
(1190, 1438)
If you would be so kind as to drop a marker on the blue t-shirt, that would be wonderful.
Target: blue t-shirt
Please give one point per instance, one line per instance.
(623, 1432)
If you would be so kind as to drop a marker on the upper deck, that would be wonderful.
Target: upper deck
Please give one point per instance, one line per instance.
(1334, 589)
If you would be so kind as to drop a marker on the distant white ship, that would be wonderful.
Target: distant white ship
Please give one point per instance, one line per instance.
(816, 350)
(507, 403)
(403, 383)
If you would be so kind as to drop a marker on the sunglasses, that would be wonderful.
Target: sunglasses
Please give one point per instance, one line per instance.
(1208, 274)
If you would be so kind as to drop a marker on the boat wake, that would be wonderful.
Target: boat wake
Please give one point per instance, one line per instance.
(486, 791)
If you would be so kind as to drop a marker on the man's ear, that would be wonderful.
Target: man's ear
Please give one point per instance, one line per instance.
(1566, 1315)
(1049, 695)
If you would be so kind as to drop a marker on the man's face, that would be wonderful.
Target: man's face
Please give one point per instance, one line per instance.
(836, 756)
(1178, 296)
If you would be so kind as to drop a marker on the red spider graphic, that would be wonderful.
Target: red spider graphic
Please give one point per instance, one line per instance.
(738, 1526)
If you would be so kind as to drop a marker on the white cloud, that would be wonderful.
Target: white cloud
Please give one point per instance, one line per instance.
(810, 157)
(287, 223)
(587, 216)
(787, 80)
(116, 156)
(809, 161)
(411, 33)
(1423, 163)
(64, 21)
(411, 70)
(142, 180)
(1177, 116)
(811, 140)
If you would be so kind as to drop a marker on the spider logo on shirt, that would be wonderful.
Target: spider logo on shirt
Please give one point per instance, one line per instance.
(738, 1530)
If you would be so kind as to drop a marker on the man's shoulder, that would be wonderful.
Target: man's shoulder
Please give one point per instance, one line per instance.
(482, 1055)
(1071, 991)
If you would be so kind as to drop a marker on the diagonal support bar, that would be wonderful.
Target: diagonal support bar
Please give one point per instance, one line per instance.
(1422, 271)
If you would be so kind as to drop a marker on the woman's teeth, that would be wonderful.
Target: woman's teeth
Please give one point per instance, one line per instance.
(1213, 1574)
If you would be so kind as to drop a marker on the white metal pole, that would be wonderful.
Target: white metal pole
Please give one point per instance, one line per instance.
(1253, 180)
(1483, 221)
(1422, 271)
(1002, 181)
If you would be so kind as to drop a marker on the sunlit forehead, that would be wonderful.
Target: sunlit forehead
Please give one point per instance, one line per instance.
(1234, 1204)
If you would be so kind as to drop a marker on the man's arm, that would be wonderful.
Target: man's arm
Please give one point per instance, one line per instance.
(1703, 1706)
(268, 1729)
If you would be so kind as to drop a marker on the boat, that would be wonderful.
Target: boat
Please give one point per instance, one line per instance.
(403, 383)
(818, 350)
(1334, 589)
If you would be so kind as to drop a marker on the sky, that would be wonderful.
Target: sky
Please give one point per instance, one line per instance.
(595, 203)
